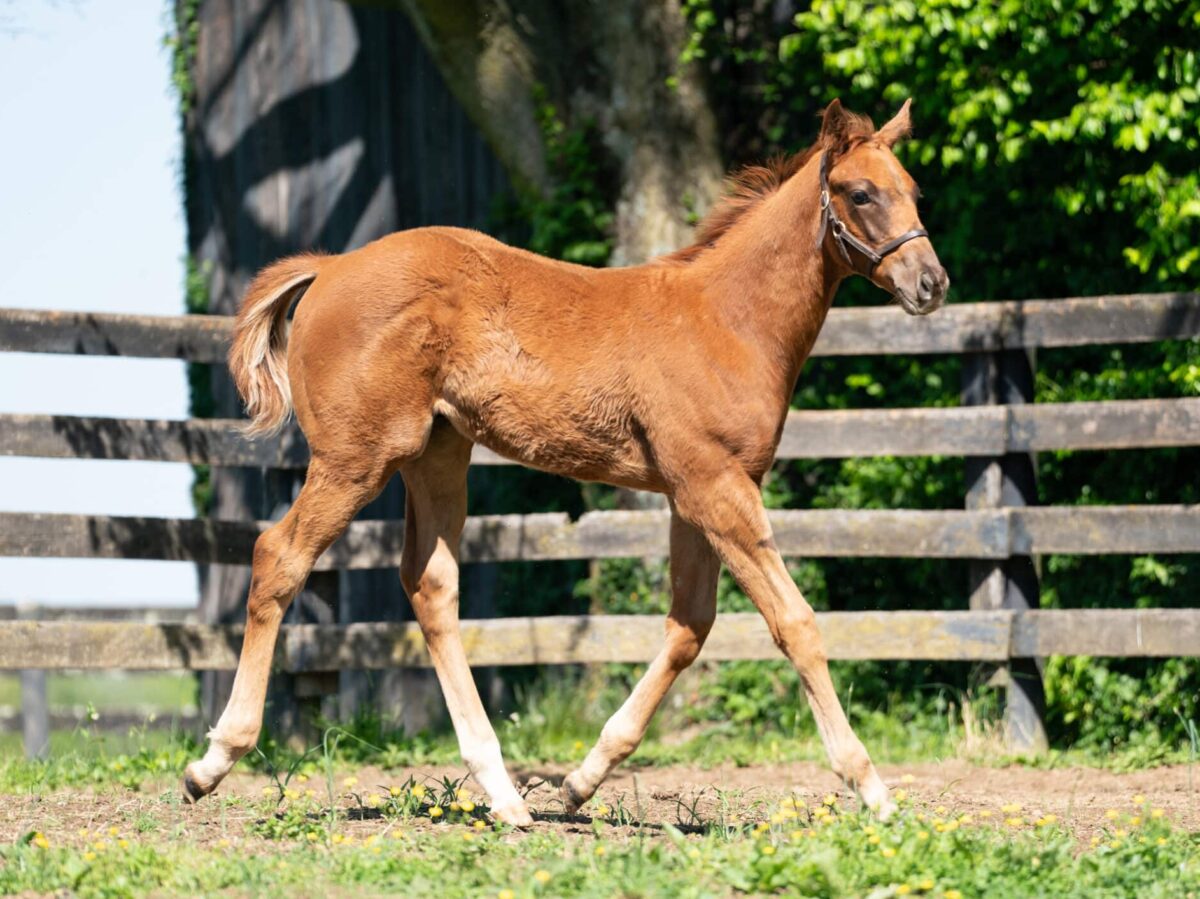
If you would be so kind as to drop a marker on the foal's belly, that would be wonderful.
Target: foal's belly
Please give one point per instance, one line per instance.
(585, 445)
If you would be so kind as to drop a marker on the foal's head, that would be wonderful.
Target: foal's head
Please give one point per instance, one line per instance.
(871, 223)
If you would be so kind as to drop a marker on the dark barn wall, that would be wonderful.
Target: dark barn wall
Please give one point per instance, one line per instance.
(316, 124)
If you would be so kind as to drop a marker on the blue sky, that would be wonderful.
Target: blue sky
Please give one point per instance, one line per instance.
(90, 219)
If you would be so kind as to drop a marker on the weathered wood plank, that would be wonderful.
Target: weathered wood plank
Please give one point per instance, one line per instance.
(1107, 632)
(987, 534)
(954, 431)
(979, 327)
(198, 338)
(956, 636)
(500, 641)
(962, 327)
(1090, 530)
(197, 441)
(543, 537)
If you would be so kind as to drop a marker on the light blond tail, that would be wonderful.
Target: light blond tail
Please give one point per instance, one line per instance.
(258, 355)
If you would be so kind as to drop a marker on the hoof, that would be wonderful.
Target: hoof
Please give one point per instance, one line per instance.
(192, 791)
(514, 815)
(572, 798)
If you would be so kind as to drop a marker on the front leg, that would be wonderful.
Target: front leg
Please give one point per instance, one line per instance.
(728, 509)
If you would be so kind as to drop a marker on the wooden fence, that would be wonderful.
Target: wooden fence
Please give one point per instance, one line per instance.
(991, 531)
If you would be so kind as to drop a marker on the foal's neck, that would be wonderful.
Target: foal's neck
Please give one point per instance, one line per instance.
(771, 277)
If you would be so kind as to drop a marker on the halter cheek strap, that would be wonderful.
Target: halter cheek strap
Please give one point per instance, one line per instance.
(845, 240)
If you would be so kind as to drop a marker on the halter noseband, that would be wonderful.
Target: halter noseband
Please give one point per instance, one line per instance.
(842, 236)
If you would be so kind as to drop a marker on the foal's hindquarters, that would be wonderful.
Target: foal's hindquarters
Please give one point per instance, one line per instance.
(362, 395)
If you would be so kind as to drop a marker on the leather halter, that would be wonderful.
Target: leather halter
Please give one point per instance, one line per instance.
(846, 240)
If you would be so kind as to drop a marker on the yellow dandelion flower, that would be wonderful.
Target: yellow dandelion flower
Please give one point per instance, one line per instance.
(985, 813)
(599, 850)
(941, 810)
(796, 835)
(435, 812)
(951, 894)
(922, 834)
(1120, 832)
(454, 806)
(395, 792)
(542, 876)
(302, 778)
(371, 840)
(602, 810)
(124, 844)
(907, 779)
(506, 894)
(468, 837)
(789, 814)
(966, 819)
(375, 850)
(1156, 813)
(1139, 799)
(374, 800)
(479, 824)
(99, 845)
(39, 840)
(310, 793)
(1035, 862)
(761, 826)
(578, 745)
(1112, 814)
(1136, 821)
(89, 856)
(768, 849)
(830, 799)
(777, 818)
(1095, 841)
(338, 839)
(903, 889)
(1014, 822)
(1115, 844)
(920, 816)
(267, 791)
(83, 832)
(1011, 808)
(873, 839)
(693, 853)
(787, 802)
(418, 791)
(888, 852)
(349, 782)
(927, 884)
(1161, 841)
(224, 843)
(900, 795)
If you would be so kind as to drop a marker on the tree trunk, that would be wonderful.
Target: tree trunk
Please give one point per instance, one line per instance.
(614, 64)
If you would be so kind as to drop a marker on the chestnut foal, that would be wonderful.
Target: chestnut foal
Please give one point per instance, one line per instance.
(673, 377)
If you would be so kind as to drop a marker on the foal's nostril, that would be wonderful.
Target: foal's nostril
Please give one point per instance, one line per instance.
(925, 285)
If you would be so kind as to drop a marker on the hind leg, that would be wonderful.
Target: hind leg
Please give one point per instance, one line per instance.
(434, 514)
(283, 557)
(694, 570)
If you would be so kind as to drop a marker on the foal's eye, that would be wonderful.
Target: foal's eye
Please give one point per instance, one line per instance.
(860, 197)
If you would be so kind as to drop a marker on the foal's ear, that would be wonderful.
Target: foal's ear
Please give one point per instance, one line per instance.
(899, 127)
(835, 123)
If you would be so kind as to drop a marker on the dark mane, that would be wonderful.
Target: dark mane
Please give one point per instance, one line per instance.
(750, 185)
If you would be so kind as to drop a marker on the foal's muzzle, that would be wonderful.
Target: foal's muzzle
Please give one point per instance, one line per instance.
(920, 285)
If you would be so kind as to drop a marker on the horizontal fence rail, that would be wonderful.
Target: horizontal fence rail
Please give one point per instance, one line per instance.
(959, 328)
(993, 636)
(990, 534)
(955, 431)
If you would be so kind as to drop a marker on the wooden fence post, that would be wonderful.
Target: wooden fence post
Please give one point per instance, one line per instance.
(35, 705)
(1007, 378)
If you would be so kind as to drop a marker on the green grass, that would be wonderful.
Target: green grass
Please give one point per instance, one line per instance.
(797, 851)
(103, 690)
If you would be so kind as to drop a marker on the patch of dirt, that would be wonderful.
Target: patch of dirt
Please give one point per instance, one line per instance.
(679, 795)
